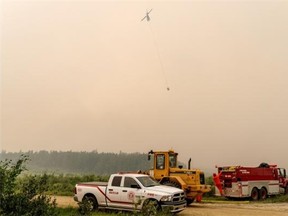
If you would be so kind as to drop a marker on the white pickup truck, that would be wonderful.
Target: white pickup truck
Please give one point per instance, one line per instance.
(132, 192)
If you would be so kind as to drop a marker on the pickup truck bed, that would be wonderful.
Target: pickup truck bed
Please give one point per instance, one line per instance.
(94, 183)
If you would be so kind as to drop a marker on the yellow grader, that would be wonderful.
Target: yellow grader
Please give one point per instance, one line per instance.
(167, 172)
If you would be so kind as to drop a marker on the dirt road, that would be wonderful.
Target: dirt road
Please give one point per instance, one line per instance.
(248, 209)
(214, 209)
(65, 201)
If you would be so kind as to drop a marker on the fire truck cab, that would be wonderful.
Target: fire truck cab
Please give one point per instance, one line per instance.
(251, 182)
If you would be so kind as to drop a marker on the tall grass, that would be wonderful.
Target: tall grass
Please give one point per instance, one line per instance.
(63, 185)
(276, 199)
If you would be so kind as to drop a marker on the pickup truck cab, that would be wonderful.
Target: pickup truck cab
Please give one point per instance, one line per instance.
(132, 192)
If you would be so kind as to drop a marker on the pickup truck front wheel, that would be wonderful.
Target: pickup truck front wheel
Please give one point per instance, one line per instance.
(89, 203)
(150, 207)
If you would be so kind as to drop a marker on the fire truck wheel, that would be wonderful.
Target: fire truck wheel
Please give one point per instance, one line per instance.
(263, 193)
(254, 194)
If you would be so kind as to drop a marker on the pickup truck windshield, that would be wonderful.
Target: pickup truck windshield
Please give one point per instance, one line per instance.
(147, 181)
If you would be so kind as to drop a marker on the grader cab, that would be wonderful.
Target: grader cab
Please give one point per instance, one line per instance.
(167, 171)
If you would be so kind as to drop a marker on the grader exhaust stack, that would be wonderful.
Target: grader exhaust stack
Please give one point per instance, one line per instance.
(189, 164)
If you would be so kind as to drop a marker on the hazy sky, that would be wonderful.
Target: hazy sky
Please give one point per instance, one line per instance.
(89, 75)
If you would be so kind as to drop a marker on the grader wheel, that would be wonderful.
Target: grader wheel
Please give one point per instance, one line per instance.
(172, 184)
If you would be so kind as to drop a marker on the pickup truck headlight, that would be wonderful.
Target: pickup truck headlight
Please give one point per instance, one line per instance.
(166, 198)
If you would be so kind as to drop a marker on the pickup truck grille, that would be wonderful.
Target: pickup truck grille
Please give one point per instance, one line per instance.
(178, 197)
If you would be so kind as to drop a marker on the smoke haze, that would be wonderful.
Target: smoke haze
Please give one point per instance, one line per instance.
(89, 75)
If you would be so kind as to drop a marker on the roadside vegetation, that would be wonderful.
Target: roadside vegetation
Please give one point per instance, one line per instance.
(62, 185)
(29, 198)
(276, 199)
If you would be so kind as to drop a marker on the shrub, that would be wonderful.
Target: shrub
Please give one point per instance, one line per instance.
(29, 198)
(209, 181)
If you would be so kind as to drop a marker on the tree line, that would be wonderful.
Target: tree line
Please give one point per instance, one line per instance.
(81, 162)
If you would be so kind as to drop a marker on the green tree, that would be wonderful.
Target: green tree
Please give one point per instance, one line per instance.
(27, 200)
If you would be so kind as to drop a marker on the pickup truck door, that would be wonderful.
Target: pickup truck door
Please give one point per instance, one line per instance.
(130, 191)
(114, 191)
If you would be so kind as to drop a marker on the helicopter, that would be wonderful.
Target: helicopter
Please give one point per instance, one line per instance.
(147, 17)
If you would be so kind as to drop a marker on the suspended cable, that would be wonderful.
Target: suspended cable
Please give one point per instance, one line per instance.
(147, 17)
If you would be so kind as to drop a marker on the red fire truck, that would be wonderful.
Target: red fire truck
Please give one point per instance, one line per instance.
(254, 182)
